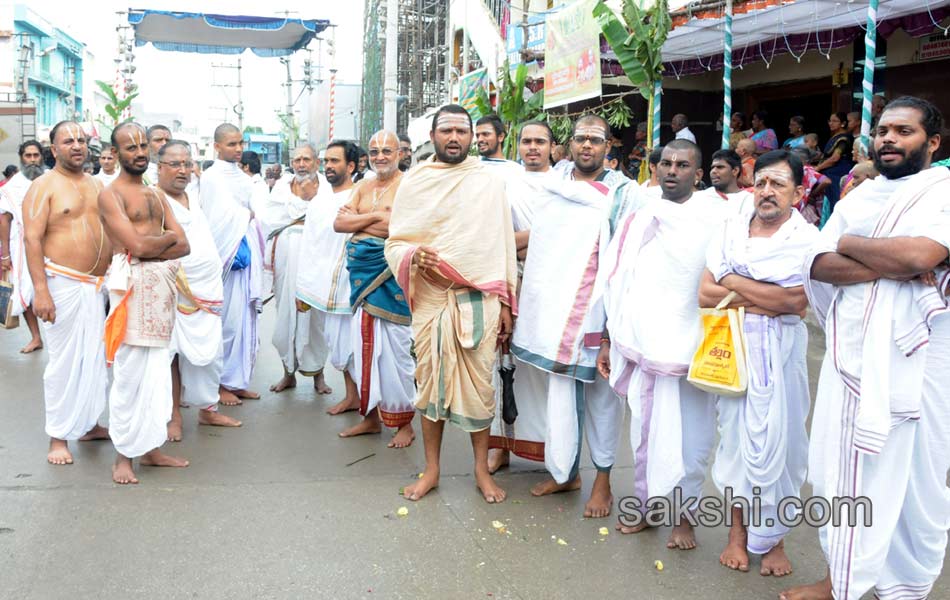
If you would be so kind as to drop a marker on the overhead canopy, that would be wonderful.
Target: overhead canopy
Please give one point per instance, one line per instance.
(783, 26)
(223, 34)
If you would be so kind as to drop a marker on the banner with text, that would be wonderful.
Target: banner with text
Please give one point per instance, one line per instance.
(571, 55)
(469, 84)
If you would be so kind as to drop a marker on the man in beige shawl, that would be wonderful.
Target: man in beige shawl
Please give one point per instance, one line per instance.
(452, 247)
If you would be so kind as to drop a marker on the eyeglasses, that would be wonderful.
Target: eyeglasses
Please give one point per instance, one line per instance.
(177, 164)
(387, 152)
(595, 140)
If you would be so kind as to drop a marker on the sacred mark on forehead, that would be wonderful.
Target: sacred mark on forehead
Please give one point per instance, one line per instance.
(382, 138)
(592, 130)
(774, 174)
(452, 120)
(74, 131)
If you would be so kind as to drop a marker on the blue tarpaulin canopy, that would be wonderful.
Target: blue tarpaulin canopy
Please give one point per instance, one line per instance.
(223, 34)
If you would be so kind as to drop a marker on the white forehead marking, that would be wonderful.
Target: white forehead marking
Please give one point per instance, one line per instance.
(452, 120)
(591, 130)
(673, 157)
(382, 138)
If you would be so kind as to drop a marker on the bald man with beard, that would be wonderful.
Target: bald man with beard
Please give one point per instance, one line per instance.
(381, 330)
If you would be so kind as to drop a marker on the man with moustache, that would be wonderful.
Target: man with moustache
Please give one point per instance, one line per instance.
(67, 254)
(556, 383)
(147, 241)
(158, 136)
(724, 171)
(298, 335)
(405, 152)
(763, 444)
(451, 245)
(877, 278)
(195, 349)
(588, 147)
(225, 198)
(380, 330)
(659, 251)
(325, 284)
(109, 169)
(13, 261)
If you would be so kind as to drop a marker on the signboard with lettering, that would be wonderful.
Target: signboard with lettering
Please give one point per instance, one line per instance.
(571, 55)
(934, 47)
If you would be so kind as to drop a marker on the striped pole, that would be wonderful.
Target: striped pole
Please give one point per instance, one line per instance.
(870, 54)
(657, 95)
(727, 78)
(332, 105)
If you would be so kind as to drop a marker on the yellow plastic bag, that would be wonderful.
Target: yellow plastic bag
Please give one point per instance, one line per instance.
(719, 363)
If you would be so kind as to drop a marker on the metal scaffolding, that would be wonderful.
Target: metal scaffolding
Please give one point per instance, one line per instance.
(422, 54)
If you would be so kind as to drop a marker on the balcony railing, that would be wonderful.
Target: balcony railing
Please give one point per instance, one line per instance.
(499, 12)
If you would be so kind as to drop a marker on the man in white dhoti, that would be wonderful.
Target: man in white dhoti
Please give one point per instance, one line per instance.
(13, 261)
(196, 348)
(380, 327)
(147, 241)
(225, 198)
(763, 443)
(556, 388)
(325, 284)
(298, 335)
(588, 162)
(66, 252)
(881, 425)
(251, 165)
(108, 166)
(651, 279)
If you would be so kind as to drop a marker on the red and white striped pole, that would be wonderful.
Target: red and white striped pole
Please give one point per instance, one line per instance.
(332, 104)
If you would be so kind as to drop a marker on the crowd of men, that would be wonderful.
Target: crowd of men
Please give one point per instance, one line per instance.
(428, 286)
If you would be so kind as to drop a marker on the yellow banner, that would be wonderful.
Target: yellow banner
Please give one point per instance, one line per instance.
(572, 55)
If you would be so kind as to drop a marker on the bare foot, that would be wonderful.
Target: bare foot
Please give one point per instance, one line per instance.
(122, 472)
(59, 453)
(815, 591)
(601, 500)
(364, 427)
(228, 398)
(428, 482)
(628, 529)
(156, 458)
(247, 394)
(286, 382)
(498, 459)
(734, 555)
(486, 485)
(34, 345)
(174, 429)
(403, 438)
(216, 419)
(320, 384)
(682, 537)
(96, 433)
(549, 486)
(344, 405)
(775, 562)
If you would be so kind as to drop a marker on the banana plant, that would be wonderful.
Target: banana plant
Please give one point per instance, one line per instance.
(513, 109)
(116, 106)
(638, 41)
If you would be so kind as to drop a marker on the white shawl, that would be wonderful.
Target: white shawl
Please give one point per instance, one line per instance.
(324, 283)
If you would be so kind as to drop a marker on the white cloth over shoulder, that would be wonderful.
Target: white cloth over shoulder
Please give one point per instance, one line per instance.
(879, 329)
(225, 197)
(325, 283)
(12, 195)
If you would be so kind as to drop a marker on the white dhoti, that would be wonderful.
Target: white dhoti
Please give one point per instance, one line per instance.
(880, 425)
(76, 378)
(12, 195)
(140, 401)
(651, 274)
(338, 334)
(763, 444)
(553, 410)
(298, 336)
(197, 336)
(239, 330)
(384, 369)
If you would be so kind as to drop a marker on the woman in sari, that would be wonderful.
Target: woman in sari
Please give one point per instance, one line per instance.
(796, 128)
(837, 162)
(764, 138)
